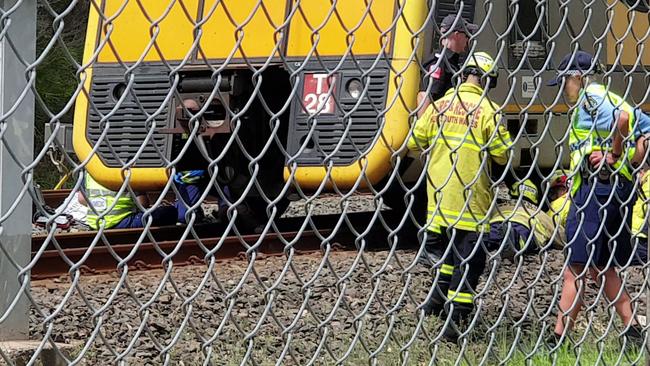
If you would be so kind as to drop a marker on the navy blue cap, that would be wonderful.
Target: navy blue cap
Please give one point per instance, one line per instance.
(581, 63)
(461, 25)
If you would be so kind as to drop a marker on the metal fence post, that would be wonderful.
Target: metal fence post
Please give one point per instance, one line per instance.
(15, 232)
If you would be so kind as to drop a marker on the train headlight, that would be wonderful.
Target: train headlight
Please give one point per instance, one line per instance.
(355, 88)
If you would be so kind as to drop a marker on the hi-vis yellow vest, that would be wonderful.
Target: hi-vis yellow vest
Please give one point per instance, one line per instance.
(101, 199)
(640, 210)
(463, 133)
(559, 209)
(587, 136)
(539, 223)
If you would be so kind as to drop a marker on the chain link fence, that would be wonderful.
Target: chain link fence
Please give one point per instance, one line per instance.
(471, 172)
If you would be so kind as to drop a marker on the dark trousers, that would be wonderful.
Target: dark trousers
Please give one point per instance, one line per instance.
(461, 271)
(162, 216)
(189, 196)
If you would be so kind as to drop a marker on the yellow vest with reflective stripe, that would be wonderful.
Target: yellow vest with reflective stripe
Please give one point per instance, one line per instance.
(640, 210)
(101, 199)
(541, 224)
(585, 138)
(463, 133)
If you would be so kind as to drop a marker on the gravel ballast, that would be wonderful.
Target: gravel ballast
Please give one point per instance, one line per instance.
(303, 309)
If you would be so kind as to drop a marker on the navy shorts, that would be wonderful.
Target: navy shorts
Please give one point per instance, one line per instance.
(598, 230)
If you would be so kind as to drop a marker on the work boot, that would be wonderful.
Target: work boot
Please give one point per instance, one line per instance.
(635, 336)
(220, 215)
(460, 319)
(431, 254)
(553, 340)
(433, 307)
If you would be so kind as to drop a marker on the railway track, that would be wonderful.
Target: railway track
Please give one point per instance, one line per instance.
(93, 254)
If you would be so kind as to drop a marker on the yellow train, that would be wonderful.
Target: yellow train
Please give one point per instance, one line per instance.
(317, 94)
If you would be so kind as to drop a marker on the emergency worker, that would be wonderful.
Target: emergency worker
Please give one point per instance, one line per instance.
(436, 81)
(120, 212)
(462, 132)
(640, 219)
(191, 184)
(441, 67)
(559, 198)
(518, 227)
(192, 179)
(601, 191)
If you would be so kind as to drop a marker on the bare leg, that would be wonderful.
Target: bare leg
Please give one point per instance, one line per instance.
(623, 305)
(570, 303)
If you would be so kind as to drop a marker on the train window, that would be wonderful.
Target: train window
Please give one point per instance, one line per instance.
(526, 159)
(526, 34)
(513, 126)
(531, 127)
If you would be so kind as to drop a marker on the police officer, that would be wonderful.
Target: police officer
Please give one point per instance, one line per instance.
(436, 81)
(460, 138)
(440, 68)
(601, 191)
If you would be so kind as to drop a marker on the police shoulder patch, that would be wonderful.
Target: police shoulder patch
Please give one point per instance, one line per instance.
(590, 104)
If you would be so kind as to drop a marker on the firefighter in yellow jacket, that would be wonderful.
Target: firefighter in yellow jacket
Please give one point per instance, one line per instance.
(462, 133)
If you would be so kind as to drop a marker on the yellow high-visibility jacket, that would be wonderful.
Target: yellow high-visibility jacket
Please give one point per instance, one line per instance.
(640, 210)
(540, 223)
(103, 200)
(462, 134)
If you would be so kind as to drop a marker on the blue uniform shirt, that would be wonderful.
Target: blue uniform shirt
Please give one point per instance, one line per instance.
(598, 111)
(642, 124)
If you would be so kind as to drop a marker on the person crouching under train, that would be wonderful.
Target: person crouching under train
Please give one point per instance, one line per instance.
(108, 210)
(191, 179)
(602, 192)
(516, 219)
(191, 185)
(453, 132)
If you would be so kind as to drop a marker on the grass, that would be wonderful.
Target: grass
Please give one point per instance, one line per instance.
(501, 351)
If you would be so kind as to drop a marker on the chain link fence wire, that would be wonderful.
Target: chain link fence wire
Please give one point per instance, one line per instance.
(504, 219)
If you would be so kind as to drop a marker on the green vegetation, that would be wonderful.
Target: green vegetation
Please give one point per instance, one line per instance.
(500, 349)
(56, 78)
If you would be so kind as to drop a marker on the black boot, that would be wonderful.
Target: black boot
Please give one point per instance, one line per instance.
(635, 336)
(460, 319)
(553, 340)
(433, 307)
(434, 249)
